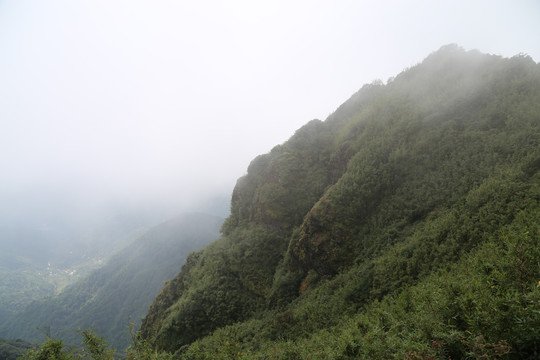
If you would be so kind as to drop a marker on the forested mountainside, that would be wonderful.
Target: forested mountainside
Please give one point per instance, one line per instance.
(40, 255)
(13, 349)
(403, 226)
(121, 291)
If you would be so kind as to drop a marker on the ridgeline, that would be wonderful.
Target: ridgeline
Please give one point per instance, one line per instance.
(405, 225)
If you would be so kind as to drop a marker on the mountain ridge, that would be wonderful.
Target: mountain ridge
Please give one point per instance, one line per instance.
(403, 179)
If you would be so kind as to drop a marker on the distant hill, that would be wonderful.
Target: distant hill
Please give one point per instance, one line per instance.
(403, 226)
(13, 349)
(38, 260)
(121, 291)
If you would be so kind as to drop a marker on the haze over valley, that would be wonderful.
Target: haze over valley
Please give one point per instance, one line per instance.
(274, 180)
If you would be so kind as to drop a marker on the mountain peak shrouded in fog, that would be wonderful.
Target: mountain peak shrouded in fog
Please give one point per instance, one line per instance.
(164, 103)
(402, 226)
(116, 116)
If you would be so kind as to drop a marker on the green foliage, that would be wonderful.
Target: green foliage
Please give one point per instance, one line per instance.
(54, 349)
(141, 349)
(51, 349)
(281, 186)
(223, 284)
(405, 226)
(484, 306)
(96, 346)
(334, 234)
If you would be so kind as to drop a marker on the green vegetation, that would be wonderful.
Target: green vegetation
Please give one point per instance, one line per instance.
(405, 226)
(483, 307)
(400, 184)
(94, 347)
(121, 291)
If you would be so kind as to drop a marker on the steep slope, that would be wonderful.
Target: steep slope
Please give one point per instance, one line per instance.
(120, 292)
(230, 279)
(402, 180)
(484, 306)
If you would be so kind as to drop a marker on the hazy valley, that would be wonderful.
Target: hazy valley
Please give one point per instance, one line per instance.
(405, 225)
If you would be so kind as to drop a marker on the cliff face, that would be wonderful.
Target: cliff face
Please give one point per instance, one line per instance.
(402, 179)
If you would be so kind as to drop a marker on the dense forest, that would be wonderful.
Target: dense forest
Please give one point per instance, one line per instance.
(403, 226)
(112, 297)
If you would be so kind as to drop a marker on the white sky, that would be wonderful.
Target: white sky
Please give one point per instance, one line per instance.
(173, 99)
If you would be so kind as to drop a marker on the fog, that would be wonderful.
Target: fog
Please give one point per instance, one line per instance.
(114, 105)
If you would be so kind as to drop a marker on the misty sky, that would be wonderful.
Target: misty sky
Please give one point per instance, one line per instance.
(171, 100)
